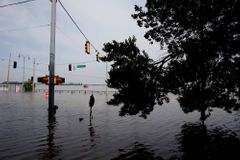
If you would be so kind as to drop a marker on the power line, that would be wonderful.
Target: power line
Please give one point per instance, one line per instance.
(77, 62)
(16, 3)
(66, 36)
(76, 24)
(81, 75)
(25, 28)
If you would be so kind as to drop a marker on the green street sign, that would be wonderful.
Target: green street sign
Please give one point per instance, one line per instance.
(81, 66)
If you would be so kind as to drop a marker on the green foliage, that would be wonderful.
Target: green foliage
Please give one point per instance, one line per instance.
(28, 86)
(203, 62)
(132, 75)
(203, 39)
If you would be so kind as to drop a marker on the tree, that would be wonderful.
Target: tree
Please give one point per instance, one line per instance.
(203, 61)
(132, 75)
(28, 86)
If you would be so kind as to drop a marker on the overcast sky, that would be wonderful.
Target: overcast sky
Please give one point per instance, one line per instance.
(101, 20)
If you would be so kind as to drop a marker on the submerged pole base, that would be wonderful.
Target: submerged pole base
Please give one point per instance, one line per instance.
(52, 111)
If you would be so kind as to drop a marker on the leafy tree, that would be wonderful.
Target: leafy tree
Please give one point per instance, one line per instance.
(203, 61)
(28, 86)
(132, 75)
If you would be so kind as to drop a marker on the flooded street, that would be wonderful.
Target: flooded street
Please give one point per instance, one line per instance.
(120, 80)
(168, 133)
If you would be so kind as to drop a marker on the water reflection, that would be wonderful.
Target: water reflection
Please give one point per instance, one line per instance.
(203, 100)
(91, 128)
(137, 152)
(198, 143)
(137, 100)
(50, 150)
(194, 142)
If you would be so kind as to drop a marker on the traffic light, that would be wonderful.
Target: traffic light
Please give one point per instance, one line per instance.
(32, 78)
(59, 80)
(97, 57)
(70, 67)
(87, 47)
(14, 64)
(44, 80)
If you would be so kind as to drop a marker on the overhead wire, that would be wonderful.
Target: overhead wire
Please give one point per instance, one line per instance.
(47, 25)
(84, 62)
(74, 22)
(66, 36)
(69, 38)
(81, 75)
(25, 28)
(16, 3)
(12, 60)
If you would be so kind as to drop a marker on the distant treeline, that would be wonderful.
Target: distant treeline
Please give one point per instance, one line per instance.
(12, 82)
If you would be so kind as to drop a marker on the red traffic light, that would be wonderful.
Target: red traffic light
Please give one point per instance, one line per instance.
(57, 80)
(44, 79)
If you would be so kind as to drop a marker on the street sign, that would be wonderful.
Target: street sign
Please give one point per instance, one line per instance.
(81, 66)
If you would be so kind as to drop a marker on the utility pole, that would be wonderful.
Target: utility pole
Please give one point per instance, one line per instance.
(33, 87)
(23, 56)
(23, 72)
(8, 71)
(52, 60)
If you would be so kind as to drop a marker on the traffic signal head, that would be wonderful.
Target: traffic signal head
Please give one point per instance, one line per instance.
(44, 79)
(97, 57)
(70, 67)
(59, 80)
(14, 64)
(87, 47)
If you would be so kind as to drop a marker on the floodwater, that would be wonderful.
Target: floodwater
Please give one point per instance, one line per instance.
(168, 133)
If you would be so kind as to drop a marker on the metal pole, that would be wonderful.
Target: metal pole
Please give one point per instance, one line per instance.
(23, 72)
(52, 61)
(33, 87)
(8, 70)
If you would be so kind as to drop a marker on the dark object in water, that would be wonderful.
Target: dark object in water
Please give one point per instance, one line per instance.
(80, 119)
(91, 101)
(55, 109)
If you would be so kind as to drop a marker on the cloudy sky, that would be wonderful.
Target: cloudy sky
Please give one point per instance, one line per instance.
(25, 30)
